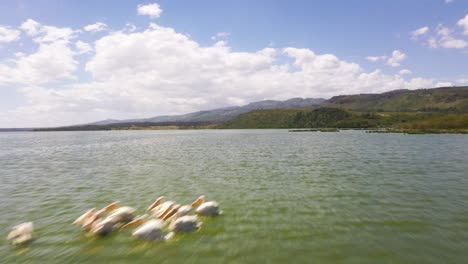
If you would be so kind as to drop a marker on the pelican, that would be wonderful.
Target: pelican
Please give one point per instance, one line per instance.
(21, 234)
(121, 215)
(149, 229)
(102, 227)
(186, 223)
(177, 211)
(97, 223)
(85, 217)
(203, 208)
(91, 215)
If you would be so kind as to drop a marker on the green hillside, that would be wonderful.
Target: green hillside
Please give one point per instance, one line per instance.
(265, 118)
(327, 117)
(449, 99)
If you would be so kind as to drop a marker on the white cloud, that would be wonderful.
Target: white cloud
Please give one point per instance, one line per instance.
(404, 72)
(7, 34)
(397, 57)
(151, 10)
(46, 34)
(83, 47)
(419, 32)
(96, 27)
(129, 27)
(442, 36)
(464, 24)
(51, 62)
(376, 58)
(159, 71)
(31, 27)
(220, 35)
(444, 39)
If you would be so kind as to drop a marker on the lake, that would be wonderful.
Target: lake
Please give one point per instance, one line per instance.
(346, 197)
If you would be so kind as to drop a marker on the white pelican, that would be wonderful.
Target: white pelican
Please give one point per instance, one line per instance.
(85, 217)
(121, 215)
(186, 223)
(149, 229)
(21, 234)
(177, 211)
(206, 208)
(102, 227)
(97, 223)
(92, 215)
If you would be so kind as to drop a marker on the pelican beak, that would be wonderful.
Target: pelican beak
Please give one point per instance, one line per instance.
(89, 223)
(168, 209)
(136, 222)
(84, 217)
(171, 212)
(112, 206)
(158, 201)
(199, 201)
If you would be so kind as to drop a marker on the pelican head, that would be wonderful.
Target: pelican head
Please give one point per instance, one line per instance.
(158, 201)
(139, 220)
(198, 201)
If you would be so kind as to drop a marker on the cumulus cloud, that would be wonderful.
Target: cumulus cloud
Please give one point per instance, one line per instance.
(419, 32)
(46, 34)
(52, 61)
(464, 24)
(220, 35)
(129, 27)
(160, 71)
(444, 38)
(83, 47)
(7, 34)
(96, 27)
(397, 57)
(404, 72)
(376, 58)
(151, 10)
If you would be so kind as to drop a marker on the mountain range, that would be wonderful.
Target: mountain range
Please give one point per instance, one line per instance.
(220, 115)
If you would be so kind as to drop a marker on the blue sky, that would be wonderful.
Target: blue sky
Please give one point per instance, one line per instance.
(203, 54)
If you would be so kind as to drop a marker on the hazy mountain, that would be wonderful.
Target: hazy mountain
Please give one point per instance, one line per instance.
(222, 114)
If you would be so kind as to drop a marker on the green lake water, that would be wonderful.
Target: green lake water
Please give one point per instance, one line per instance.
(347, 197)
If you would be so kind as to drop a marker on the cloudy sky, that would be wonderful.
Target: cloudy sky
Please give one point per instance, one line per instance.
(68, 62)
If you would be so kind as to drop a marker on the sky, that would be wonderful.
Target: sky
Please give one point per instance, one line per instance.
(65, 62)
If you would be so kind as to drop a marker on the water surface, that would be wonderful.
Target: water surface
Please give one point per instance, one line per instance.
(345, 197)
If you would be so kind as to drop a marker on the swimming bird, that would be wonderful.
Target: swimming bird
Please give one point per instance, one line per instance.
(186, 223)
(203, 208)
(98, 223)
(177, 211)
(21, 234)
(121, 215)
(91, 215)
(85, 217)
(151, 229)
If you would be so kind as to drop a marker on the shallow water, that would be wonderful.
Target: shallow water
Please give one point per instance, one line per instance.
(345, 197)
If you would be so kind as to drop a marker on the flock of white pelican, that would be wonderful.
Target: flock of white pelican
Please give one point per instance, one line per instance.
(150, 226)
